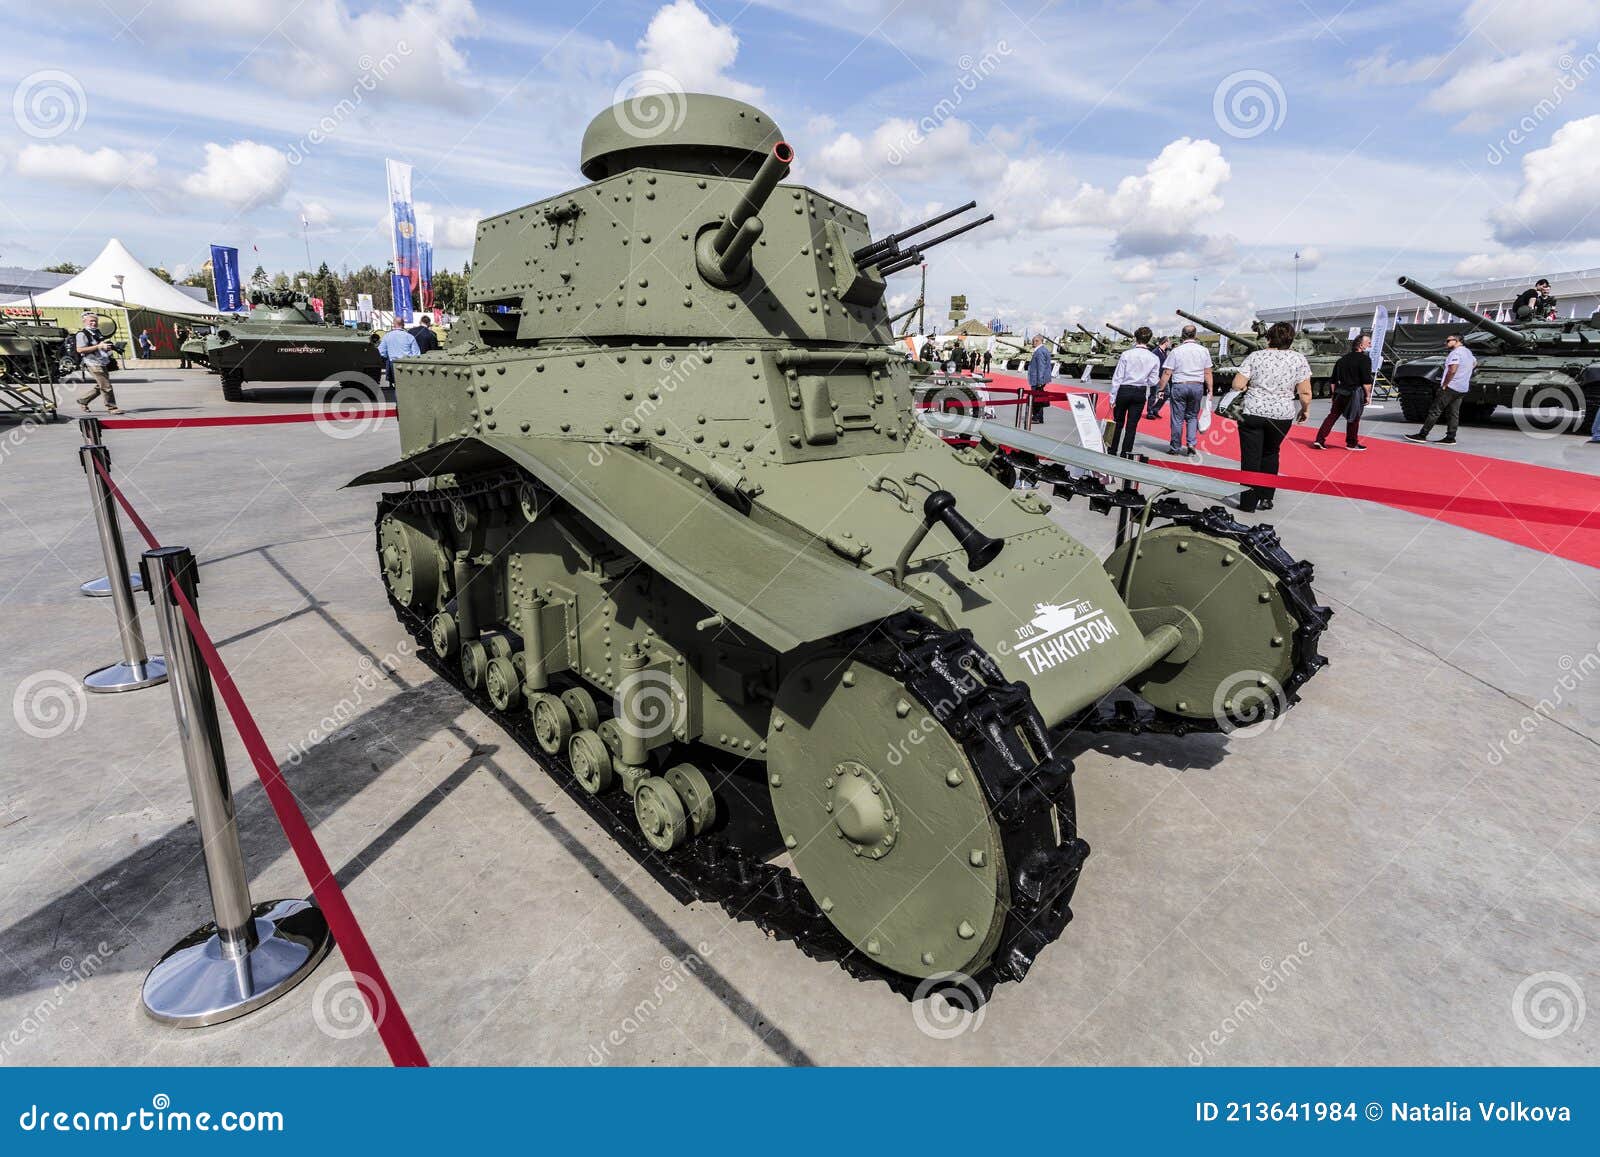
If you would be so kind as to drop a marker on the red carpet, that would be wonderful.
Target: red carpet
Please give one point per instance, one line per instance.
(1441, 473)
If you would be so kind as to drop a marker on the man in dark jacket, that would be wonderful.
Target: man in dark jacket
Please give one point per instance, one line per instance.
(423, 332)
(1352, 390)
(1534, 304)
(1038, 376)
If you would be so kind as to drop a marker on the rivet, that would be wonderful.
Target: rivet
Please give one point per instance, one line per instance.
(826, 905)
(976, 857)
(874, 947)
(1183, 705)
(1264, 597)
(777, 723)
(927, 958)
(953, 777)
(789, 841)
(849, 676)
(775, 779)
(965, 931)
(902, 709)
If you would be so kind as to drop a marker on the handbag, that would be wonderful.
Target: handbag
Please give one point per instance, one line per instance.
(1230, 407)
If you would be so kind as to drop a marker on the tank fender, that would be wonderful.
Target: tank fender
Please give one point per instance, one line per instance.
(780, 589)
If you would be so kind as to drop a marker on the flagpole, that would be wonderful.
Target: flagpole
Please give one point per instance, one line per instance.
(305, 235)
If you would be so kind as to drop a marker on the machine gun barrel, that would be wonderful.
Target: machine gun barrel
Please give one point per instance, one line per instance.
(741, 228)
(1249, 343)
(880, 249)
(914, 255)
(1450, 305)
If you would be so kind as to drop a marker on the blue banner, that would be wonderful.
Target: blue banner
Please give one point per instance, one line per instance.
(424, 296)
(225, 282)
(1051, 1112)
(403, 216)
(401, 289)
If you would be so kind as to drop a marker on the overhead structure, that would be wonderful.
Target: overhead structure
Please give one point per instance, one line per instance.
(138, 287)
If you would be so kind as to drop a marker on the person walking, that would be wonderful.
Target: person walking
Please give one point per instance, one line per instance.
(184, 334)
(147, 345)
(1276, 383)
(427, 340)
(1459, 363)
(1352, 390)
(1038, 377)
(1138, 370)
(94, 351)
(988, 360)
(394, 345)
(1186, 381)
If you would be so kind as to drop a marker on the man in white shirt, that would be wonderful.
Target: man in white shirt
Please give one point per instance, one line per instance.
(1458, 366)
(1186, 380)
(1138, 370)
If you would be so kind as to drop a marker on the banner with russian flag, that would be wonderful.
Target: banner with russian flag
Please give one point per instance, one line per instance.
(403, 217)
(425, 259)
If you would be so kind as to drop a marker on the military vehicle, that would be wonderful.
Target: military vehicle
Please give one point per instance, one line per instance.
(283, 339)
(1550, 368)
(33, 358)
(670, 517)
(1319, 353)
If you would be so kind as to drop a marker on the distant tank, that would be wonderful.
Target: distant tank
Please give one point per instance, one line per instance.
(670, 517)
(283, 339)
(1548, 368)
(1319, 354)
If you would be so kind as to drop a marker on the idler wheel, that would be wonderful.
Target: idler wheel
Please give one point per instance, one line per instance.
(552, 722)
(503, 683)
(410, 561)
(591, 762)
(660, 814)
(851, 751)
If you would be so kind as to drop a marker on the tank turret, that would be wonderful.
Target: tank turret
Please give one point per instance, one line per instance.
(1512, 338)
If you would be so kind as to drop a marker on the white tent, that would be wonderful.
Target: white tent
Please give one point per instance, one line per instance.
(140, 287)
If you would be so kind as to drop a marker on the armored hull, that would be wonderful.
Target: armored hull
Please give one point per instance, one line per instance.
(682, 533)
(285, 341)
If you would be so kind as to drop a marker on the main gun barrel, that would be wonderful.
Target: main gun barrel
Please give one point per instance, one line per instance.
(1118, 329)
(1450, 305)
(1249, 343)
(741, 228)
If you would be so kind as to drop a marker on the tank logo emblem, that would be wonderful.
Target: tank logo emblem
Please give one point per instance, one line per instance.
(1061, 631)
(300, 349)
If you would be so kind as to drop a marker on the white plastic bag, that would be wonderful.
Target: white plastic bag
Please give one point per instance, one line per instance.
(1205, 413)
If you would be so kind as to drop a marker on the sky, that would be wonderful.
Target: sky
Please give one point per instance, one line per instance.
(1139, 156)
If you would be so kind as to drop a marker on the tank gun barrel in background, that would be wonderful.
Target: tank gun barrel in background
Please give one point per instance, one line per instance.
(195, 318)
(1450, 305)
(1249, 341)
(913, 256)
(1114, 328)
(888, 248)
(741, 228)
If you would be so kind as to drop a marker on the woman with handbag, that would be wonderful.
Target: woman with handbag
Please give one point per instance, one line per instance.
(1276, 386)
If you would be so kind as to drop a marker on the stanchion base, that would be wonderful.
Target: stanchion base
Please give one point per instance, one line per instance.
(100, 588)
(194, 984)
(123, 677)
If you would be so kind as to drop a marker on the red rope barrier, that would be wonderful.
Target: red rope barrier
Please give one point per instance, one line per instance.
(329, 415)
(387, 1015)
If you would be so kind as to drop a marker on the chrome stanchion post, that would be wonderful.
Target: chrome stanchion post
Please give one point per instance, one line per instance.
(137, 668)
(99, 588)
(250, 954)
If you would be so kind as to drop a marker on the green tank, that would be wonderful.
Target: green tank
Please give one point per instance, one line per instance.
(283, 339)
(1550, 369)
(665, 510)
(1319, 353)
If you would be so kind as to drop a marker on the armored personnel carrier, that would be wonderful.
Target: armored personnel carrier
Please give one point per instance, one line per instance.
(670, 517)
(1548, 368)
(284, 339)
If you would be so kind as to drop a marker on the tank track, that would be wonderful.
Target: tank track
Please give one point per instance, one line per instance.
(1259, 543)
(1028, 786)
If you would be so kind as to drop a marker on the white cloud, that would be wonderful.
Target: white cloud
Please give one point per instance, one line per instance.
(900, 147)
(245, 175)
(1310, 258)
(1137, 273)
(1034, 267)
(318, 215)
(452, 228)
(684, 42)
(1485, 266)
(1155, 212)
(104, 168)
(1557, 198)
